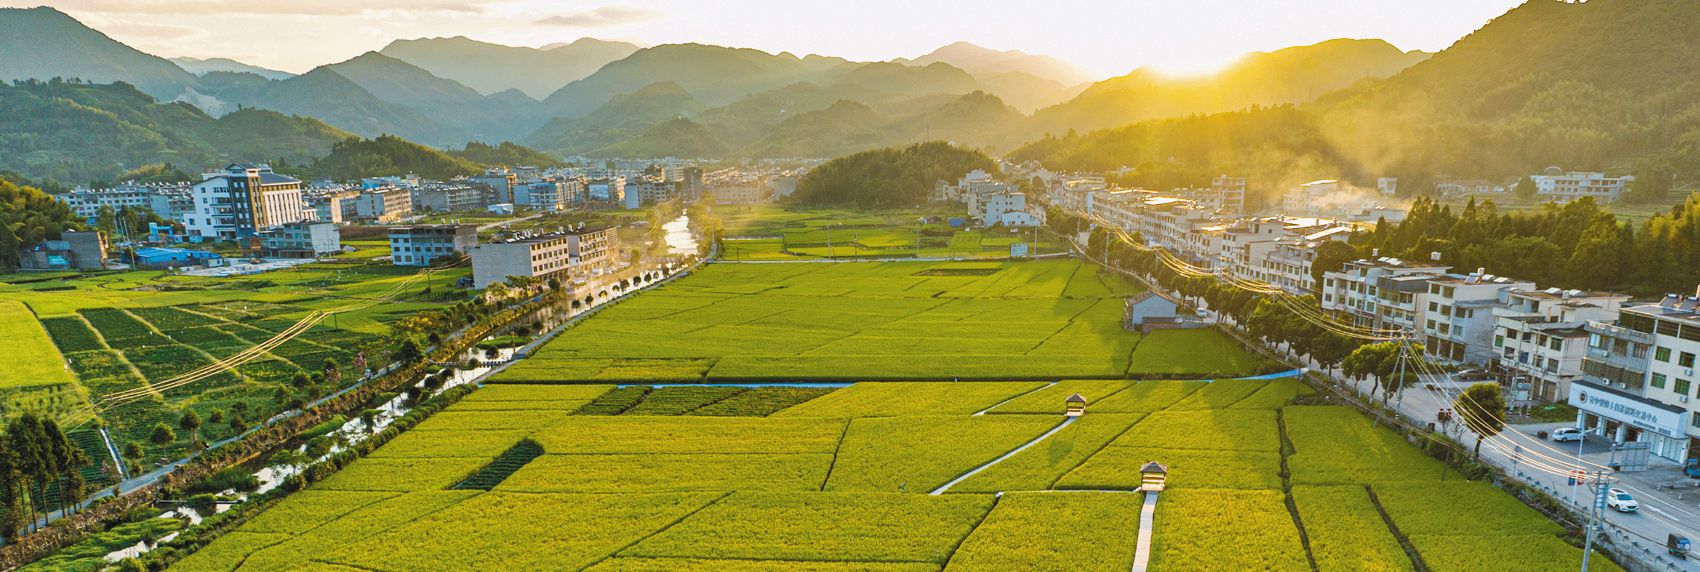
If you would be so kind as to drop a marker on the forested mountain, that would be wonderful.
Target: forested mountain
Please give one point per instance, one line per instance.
(199, 66)
(978, 60)
(1292, 75)
(1605, 85)
(388, 155)
(507, 153)
(43, 43)
(889, 177)
(327, 95)
(1601, 85)
(73, 132)
(623, 117)
(1276, 148)
(678, 137)
(467, 113)
(491, 68)
(714, 75)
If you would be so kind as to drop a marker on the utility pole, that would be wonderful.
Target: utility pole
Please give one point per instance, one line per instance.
(1602, 486)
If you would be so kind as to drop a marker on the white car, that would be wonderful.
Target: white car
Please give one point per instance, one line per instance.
(1620, 501)
(1566, 435)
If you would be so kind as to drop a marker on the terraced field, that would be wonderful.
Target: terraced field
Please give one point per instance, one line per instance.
(838, 481)
(1039, 320)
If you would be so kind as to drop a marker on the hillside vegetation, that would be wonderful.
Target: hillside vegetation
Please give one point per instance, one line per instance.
(889, 177)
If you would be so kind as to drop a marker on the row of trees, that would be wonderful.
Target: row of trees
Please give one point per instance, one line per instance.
(1577, 245)
(29, 216)
(39, 474)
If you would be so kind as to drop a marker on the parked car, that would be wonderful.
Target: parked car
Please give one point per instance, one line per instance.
(1566, 435)
(1620, 501)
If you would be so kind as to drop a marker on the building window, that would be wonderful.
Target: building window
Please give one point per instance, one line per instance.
(1636, 350)
(1659, 380)
(1499, 341)
(1662, 354)
(1556, 343)
(1681, 386)
(1685, 360)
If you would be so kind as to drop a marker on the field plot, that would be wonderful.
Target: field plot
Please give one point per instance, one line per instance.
(643, 478)
(1204, 529)
(823, 526)
(1041, 320)
(1036, 531)
(893, 454)
(31, 356)
(1346, 532)
(765, 232)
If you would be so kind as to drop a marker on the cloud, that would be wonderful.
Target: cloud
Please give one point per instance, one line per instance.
(604, 17)
(268, 7)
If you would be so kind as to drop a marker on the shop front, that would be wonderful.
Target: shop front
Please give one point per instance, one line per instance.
(1629, 418)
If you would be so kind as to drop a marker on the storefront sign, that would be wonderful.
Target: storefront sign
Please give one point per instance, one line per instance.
(1628, 410)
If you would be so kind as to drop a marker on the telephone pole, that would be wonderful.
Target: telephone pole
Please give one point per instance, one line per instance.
(1602, 487)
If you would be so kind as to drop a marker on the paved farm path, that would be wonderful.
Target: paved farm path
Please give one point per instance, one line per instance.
(1036, 440)
(1142, 551)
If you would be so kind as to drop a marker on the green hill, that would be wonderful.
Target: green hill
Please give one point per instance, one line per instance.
(888, 177)
(621, 118)
(506, 153)
(388, 155)
(679, 137)
(76, 132)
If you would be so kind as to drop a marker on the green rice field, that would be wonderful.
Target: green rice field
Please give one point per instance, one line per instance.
(837, 479)
(774, 233)
(1037, 320)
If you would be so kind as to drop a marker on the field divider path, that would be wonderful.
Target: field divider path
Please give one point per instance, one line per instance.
(1065, 423)
(1142, 546)
(1000, 403)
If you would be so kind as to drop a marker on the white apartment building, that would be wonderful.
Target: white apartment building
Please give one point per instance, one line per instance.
(609, 189)
(1542, 337)
(1379, 292)
(1639, 378)
(243, 199)
(424, 245)
(306, 239)
(170, 202)
(1458, 319)
(1004, 209)
(551, 255)
(384, 205)
(1563, 187)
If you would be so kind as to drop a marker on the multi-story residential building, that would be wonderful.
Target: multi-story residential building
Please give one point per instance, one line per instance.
(531, 257)
(170, 202)
(448, 197)
(301, 240)
(607, 189)
(593, 251)
(333, 205)
(424, 245)
(242, 199)
(1289, 265)
(1541, 337)
(1231, 193)
(1638, 382)
(1458, 319)
(384, 205)
(501, 183)
(1004, 209)
(1557, 186)
(1379, 292)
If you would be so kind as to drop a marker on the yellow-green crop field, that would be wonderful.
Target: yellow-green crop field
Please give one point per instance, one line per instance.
(91, 336)
(1038, 320)
(775, 233)
(839, 480)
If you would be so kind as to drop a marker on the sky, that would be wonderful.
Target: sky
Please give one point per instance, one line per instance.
(1106, 37)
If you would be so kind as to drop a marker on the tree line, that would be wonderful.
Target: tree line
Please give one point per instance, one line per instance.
(890, 177)
(29, 216)
(39, 474)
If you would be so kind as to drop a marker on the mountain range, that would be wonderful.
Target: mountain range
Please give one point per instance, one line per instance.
(1604, 85)
(1612, 93)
